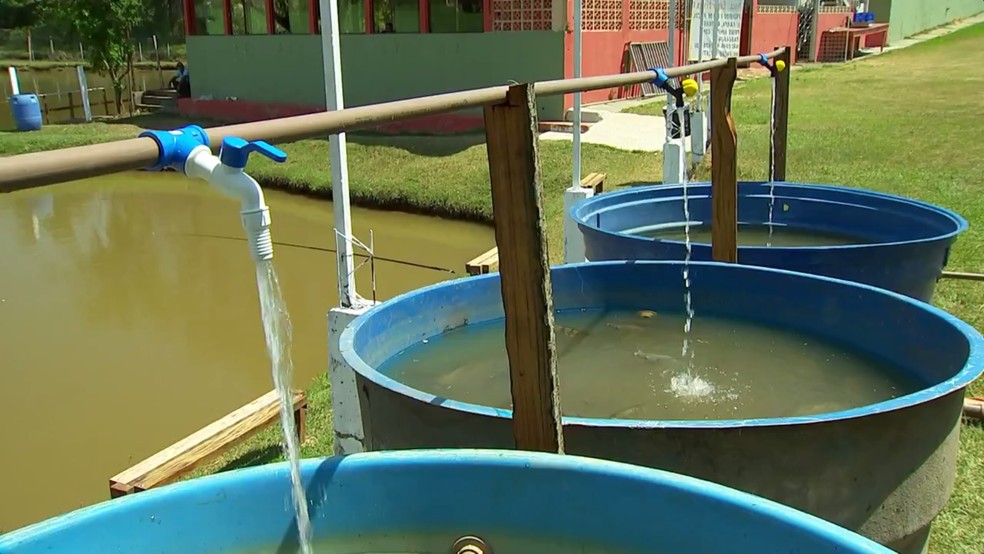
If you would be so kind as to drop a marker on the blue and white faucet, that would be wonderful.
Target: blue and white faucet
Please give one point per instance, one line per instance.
(187, 150)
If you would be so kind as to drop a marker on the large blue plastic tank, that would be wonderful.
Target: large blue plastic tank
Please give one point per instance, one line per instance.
(26, 110)
(516, 502)
(884, 470)
(906, 242)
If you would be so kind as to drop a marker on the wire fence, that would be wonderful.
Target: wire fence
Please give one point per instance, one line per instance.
(43, 45)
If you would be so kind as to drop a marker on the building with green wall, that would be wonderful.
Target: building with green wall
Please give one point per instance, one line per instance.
(909, 17)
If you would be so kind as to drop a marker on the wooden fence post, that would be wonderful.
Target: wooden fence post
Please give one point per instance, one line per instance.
(517, 204)
(71, 105)
(780, 119)
(724, 165)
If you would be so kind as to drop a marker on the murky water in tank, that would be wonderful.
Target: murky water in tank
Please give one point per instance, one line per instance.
(757, 235)
(621, 365)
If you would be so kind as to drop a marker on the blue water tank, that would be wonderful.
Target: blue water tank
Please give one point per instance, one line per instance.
(27, 111)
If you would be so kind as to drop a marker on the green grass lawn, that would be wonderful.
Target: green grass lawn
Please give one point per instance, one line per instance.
(906, 122)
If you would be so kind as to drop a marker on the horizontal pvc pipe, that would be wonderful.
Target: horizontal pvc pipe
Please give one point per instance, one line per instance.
(55, 166)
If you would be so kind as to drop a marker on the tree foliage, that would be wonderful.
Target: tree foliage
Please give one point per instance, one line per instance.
(105, 27)
(18, 14)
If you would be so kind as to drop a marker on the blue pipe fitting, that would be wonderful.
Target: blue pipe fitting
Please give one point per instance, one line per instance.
(763, 60)
(175, 146)
(235, 152)
(661, 78)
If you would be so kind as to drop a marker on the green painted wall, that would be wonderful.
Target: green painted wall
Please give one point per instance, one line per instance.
(908, 17)
(375, 68)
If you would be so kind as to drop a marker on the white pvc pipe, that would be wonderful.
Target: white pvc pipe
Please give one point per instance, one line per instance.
(576, 163)
(671, 47)
(334, 98)
(14, 83)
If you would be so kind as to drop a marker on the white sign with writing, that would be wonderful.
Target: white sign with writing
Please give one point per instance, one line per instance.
(727, 14)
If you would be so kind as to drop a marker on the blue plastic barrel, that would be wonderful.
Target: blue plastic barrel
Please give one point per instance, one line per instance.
(424, 501)
(27, 112)
(903, 244)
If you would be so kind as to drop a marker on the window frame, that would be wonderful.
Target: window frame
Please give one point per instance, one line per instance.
(314, 18)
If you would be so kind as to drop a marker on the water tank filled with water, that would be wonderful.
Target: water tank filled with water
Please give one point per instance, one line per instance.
(829, 396)
(26, 110)
(879, 239)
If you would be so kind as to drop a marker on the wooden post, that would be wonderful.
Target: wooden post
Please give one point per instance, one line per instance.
(517, 204)
(30, 46)
(780, 120)
(724, 165)
(105, 101)
(44, 109)
(157, 57)
(71, 105)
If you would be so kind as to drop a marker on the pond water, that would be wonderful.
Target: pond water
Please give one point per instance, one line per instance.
(129, 318)
(58, 82)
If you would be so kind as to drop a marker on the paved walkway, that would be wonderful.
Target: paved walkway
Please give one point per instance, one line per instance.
(647, 133)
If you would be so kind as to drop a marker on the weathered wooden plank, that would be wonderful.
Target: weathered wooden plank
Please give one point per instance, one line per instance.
(724, 165)
(517, 203)
(595, 182)
(486, 262)
(192, 451)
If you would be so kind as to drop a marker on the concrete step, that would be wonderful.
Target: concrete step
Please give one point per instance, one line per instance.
(588, 115)
(561, 127)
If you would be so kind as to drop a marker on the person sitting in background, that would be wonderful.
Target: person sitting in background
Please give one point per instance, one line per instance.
(182, 73)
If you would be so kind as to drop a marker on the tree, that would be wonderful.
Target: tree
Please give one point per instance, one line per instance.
(105, 27)
(18, 14)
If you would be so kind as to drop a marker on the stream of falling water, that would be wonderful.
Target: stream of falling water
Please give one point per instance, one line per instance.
(772, 163)
(687, 384)
(276, 328)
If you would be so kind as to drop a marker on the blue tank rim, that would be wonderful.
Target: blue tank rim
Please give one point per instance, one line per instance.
(396, 460)
(972, 369)
(960, 223)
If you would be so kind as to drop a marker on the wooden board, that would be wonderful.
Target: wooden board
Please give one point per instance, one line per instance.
(184, 456)
(724, 165)
(517, 204)
(973, 408)
(486, 262)
(595, 182)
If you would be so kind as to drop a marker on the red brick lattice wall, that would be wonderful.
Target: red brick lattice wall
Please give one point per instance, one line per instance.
(522, 15)
(776, 9)
(652, 15)
(602, 15)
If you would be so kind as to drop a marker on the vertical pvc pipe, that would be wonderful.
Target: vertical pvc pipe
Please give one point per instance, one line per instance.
(14, 82)
(671, 47)
(334, 98)
(700, 56)
(717, 24)
(576, 169)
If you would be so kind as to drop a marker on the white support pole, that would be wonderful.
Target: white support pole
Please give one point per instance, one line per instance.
(576, 173)
(573, 240)
(334, 98)
(674, 151)
(347, 428)
(346, 410)
(14, 82)
(84, 91)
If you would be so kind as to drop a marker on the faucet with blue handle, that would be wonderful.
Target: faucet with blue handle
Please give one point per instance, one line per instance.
(187, 150)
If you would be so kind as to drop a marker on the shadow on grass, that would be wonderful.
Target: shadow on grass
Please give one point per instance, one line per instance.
(250, 458)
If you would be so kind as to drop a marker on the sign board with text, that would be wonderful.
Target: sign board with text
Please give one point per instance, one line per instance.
(725, 17)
